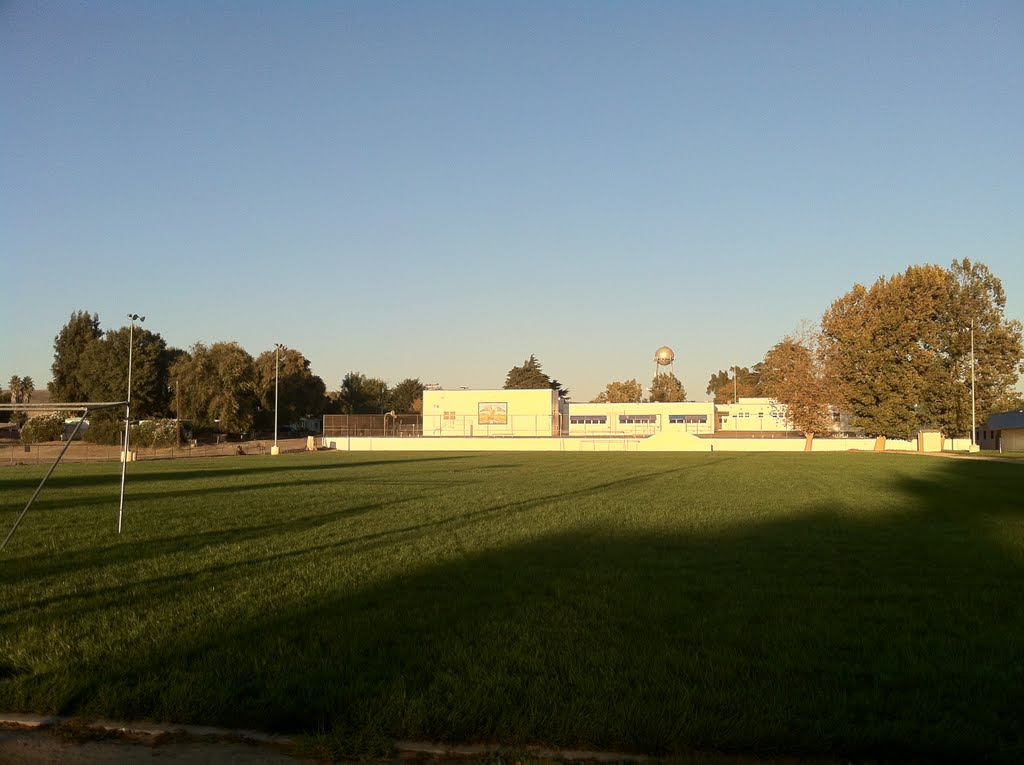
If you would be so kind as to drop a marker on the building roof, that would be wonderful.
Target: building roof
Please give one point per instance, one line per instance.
(1005, 420)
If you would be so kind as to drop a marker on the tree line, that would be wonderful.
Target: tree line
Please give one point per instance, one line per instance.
(897, 356)
(217, 386)
(665, 388)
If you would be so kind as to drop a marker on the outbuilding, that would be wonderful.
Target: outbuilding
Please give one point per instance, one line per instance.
(1003, 432)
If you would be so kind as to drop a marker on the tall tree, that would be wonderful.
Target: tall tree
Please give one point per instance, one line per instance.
(300, 393)
(82, 330)
(360, 394)
(14, 389)
(530, 376)
(217, 386)
(793, 374)
(974, 307)
(666, 387)
(21, 389)
(20, 392)
(628, 392)
(736, 382)
(103, 370)
(26, 389)
(899, 351)
(407, 396)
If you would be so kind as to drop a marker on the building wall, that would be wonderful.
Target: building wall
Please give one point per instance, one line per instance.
(1002, 430)
(753, 414)
(492, 413)
(645, 419)
(659, 442)
(1008, 439)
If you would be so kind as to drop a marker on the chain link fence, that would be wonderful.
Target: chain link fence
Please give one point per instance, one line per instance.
(377, 425)
(15, 453)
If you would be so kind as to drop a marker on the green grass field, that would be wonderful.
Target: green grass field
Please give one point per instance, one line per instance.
(857, 605)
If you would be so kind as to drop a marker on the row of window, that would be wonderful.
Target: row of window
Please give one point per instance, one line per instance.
(688, 419)
(636, 419)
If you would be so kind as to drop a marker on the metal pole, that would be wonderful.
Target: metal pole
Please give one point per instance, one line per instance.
(973, 424)
(277, 376)
(735, 395)
(127, 415)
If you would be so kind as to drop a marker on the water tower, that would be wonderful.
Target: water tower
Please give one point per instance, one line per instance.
(664, 357)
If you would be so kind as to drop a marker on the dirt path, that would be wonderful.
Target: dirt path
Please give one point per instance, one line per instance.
(78, 744)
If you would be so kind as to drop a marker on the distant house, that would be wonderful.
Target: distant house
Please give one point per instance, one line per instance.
(1003, 431)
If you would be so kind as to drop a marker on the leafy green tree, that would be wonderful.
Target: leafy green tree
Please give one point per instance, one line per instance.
(360, 394)
(793, 374)
(82, 330)
(217, 385)
(300, 392)
(666, 387)
(899, 351)
(878, 344)
(737, 382)
(975, 304)
(406, 397)
(628, 392)
(103, 370)
(530, 376)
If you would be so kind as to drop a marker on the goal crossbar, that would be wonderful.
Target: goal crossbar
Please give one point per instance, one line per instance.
(84, 408)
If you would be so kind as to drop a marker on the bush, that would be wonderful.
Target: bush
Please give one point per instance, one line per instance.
(48, 427)
(104, 428)
(156, 433)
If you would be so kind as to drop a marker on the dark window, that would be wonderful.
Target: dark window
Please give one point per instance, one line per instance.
(588, 419)
(679, 419)
(634, 419)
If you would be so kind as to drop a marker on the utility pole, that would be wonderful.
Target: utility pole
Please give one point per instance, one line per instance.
(973, 424)
(277, 375)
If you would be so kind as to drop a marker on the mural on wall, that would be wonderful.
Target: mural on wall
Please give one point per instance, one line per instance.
(492, 413)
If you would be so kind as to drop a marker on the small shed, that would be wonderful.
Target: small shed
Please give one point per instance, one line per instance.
(929, 440)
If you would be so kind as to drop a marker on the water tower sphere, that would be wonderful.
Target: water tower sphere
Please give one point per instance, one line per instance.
(664, 356)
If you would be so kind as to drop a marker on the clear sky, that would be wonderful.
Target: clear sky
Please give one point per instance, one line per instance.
(440, 189)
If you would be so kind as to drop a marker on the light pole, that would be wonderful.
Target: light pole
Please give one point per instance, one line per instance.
(735, 396)
(278, 347)
(133, 317)
(973, 424)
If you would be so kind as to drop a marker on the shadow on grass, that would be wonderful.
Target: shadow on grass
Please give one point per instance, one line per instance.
(33, 566)
(897, 635)
(211, 467)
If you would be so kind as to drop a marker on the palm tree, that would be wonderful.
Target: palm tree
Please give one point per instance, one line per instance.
(25, 390)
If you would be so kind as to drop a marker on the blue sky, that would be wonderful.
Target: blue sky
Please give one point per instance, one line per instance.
(440, 189)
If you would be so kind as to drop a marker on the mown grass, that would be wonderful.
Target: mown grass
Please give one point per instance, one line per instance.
(860, 605)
